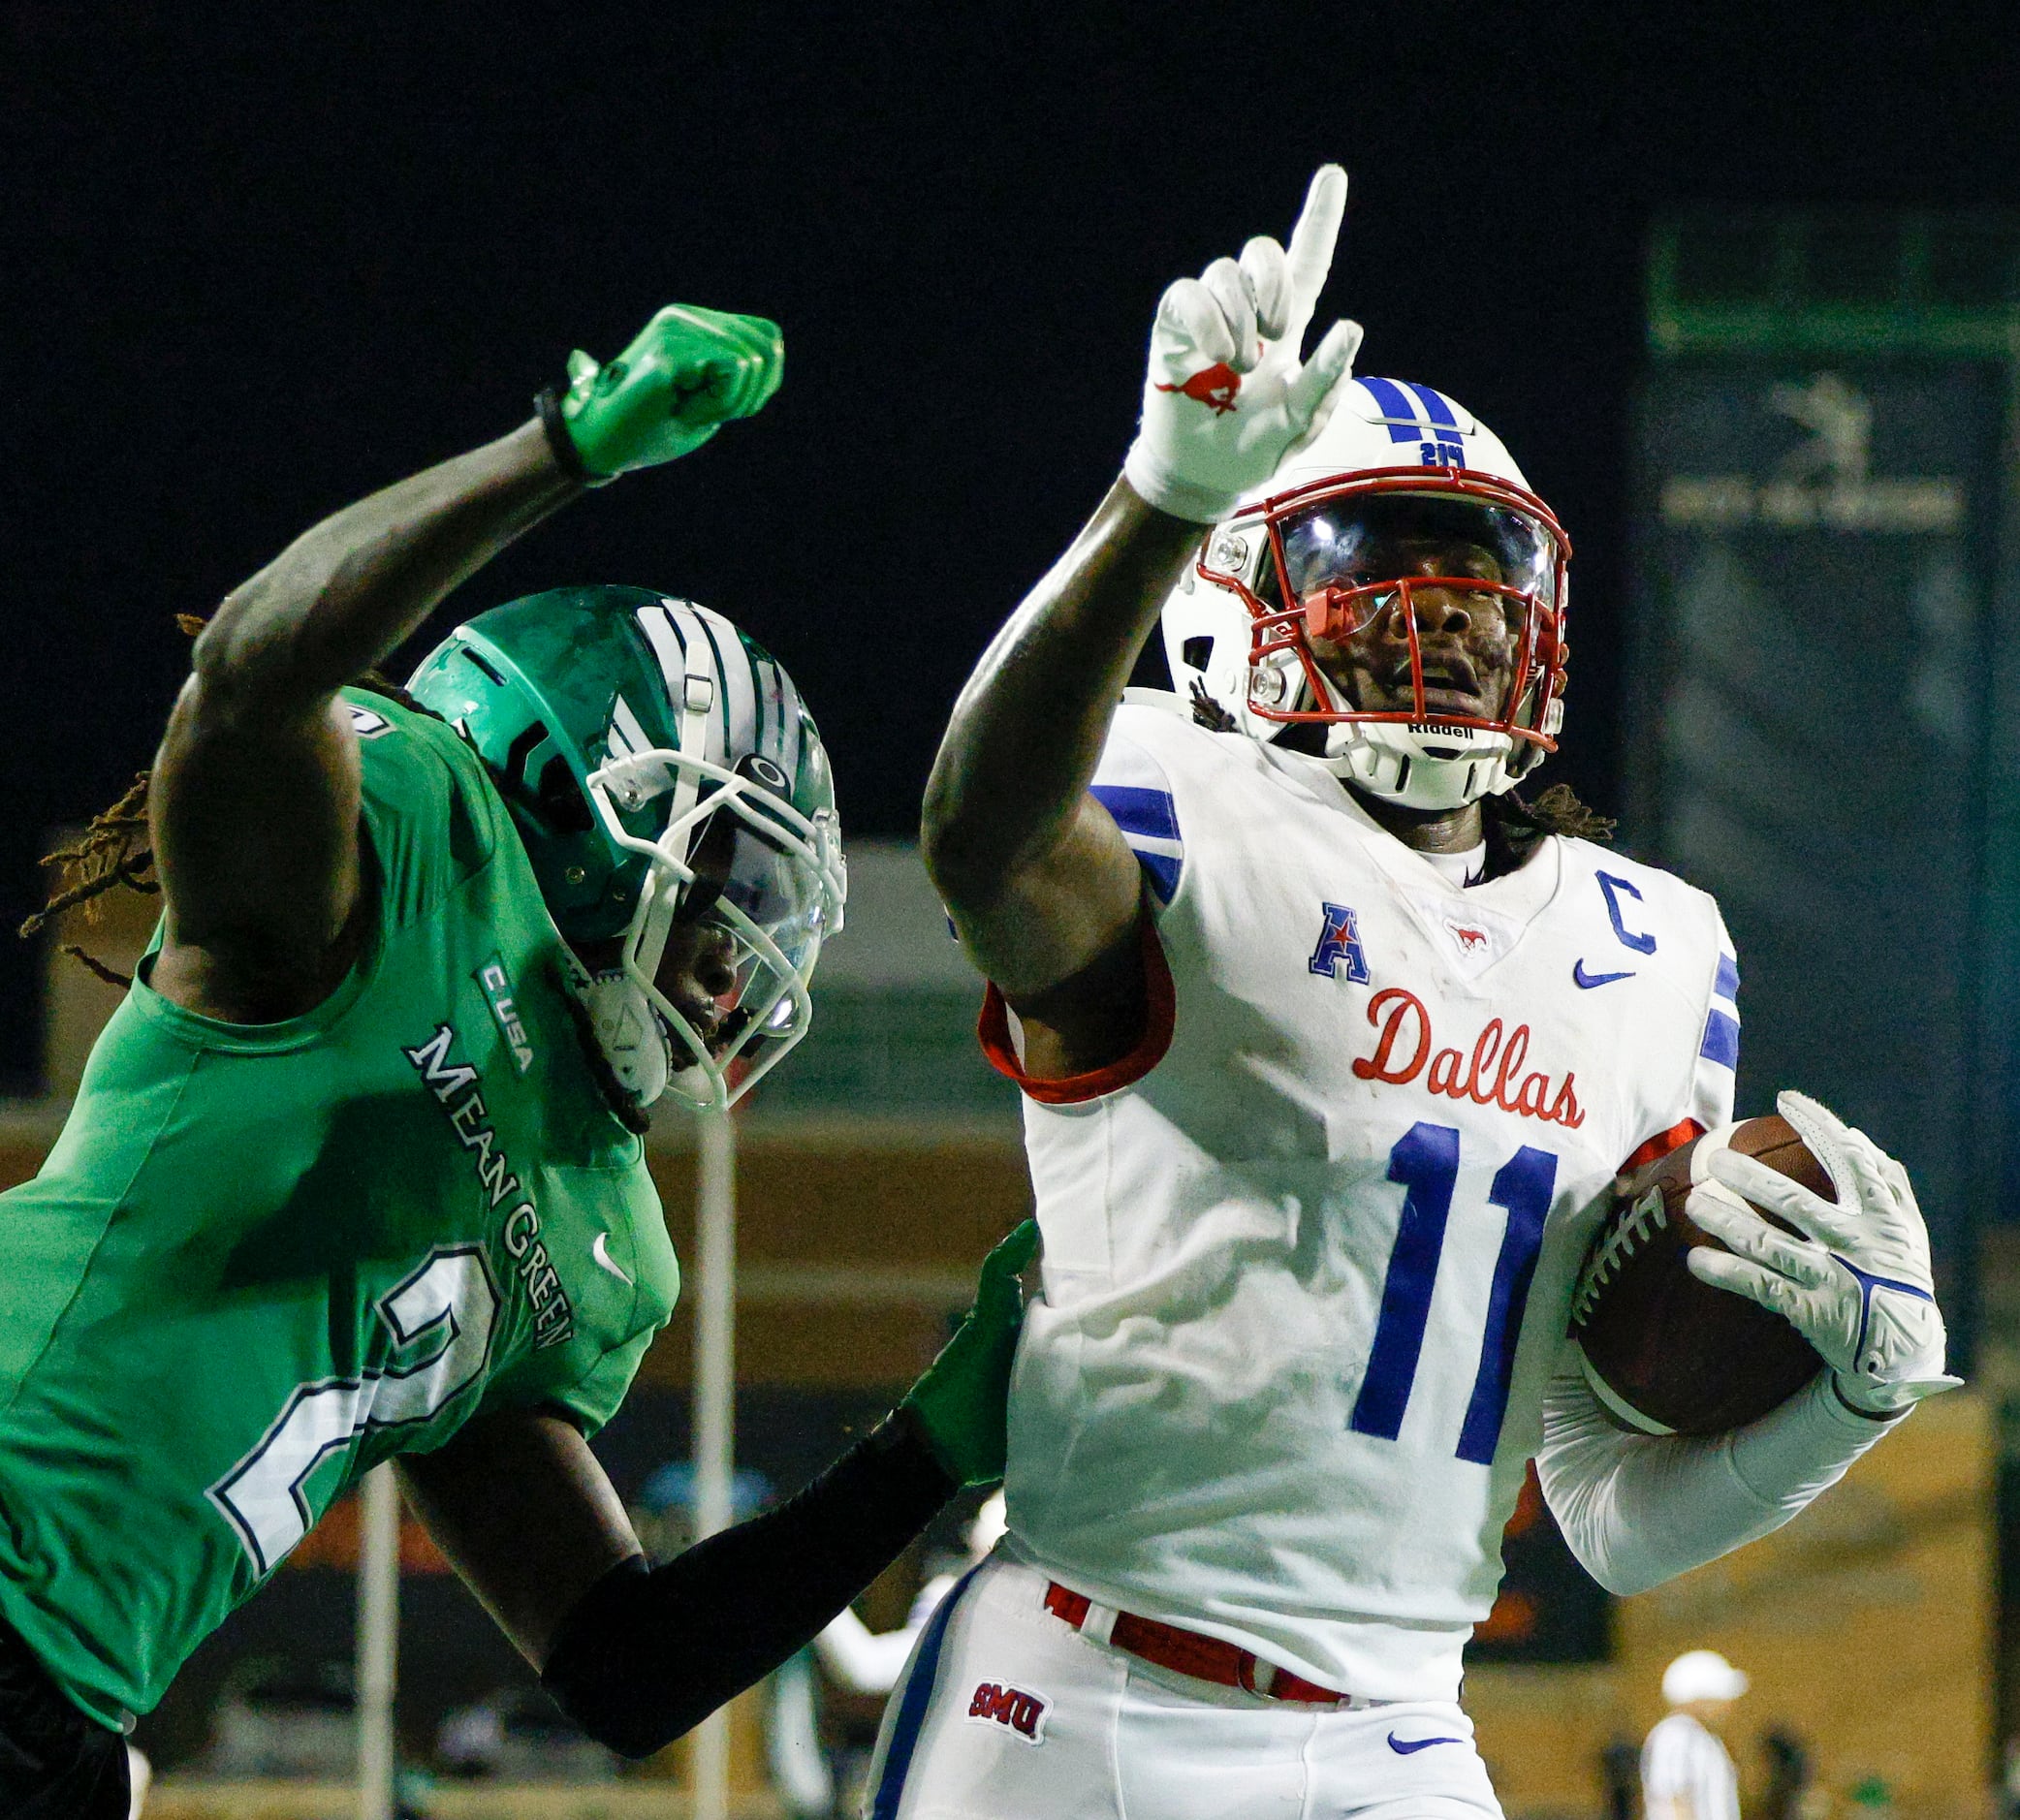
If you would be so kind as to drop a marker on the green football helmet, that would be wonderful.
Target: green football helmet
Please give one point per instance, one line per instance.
(671, 788)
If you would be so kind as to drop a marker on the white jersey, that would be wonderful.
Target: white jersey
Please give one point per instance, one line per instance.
(1309, 1253)
(1687, 1773)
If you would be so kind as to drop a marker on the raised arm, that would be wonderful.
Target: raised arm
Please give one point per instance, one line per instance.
(255, 790)
(1040, 884)
(255, 793)
(1034, 872)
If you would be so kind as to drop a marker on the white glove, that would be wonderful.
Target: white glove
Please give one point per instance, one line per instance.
(1226, 400)
(1859, 1287)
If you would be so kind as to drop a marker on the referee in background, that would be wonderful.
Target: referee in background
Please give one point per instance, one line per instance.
(1687, 1772)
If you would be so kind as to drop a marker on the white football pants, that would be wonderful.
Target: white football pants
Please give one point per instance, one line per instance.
(1006, 1712)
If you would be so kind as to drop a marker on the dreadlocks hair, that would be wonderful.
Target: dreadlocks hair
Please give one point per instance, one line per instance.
(1209, 714)
(114, 850)
(1516, 827)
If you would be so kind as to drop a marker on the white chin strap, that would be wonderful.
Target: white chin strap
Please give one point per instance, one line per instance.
(1440, 769)
(629, 1032)
(1445, 770)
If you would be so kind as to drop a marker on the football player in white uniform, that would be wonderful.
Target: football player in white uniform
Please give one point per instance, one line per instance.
(1328, 1043)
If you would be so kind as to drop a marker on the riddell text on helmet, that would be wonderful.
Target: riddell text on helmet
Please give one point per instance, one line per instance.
(1490, 1076)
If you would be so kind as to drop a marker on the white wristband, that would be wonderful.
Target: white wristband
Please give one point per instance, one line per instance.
(1167, 494)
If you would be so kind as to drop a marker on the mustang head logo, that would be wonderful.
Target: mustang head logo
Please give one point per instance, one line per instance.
(1213, 387)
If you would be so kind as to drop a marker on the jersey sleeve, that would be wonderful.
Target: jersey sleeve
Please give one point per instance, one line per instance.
(1659, 1777)
(1666, 1769)
(430, 811)
(1131, 785)
(1716, 1076)
(587, 1375)
(1637, 1510)
(1684, 1764)
(575, 1379)
(1706, 1100)
(593, 1399)
(1130, 782)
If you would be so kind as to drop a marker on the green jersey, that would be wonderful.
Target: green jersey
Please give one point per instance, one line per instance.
(262, 1258)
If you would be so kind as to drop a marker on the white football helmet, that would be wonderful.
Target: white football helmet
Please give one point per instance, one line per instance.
(1395, 461)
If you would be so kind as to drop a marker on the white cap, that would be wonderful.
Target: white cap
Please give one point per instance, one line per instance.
(1702, 1674)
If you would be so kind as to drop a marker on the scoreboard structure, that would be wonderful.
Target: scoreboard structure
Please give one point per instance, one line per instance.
(1825, 645)
(1823, 648)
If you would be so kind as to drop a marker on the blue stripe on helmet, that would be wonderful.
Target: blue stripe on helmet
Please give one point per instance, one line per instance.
(1437, 406)
(913, 1702)
(1405, 425)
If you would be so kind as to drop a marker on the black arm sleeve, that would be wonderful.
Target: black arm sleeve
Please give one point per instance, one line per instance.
(646, 1654)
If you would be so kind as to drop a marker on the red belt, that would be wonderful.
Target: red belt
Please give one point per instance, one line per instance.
(1187, 1652)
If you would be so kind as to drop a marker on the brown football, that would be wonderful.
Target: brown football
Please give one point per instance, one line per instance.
(1670, 1354)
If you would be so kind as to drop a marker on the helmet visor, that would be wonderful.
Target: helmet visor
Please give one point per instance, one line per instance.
(747, 878)
(743, 889)
(1354, 542)
(747, 928)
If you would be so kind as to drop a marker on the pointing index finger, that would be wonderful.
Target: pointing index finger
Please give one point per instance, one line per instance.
(1317, 233)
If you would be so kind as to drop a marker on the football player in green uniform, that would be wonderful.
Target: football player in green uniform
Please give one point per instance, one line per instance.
(356, 1171)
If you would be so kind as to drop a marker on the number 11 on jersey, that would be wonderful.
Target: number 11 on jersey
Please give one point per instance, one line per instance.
(1425, 1161)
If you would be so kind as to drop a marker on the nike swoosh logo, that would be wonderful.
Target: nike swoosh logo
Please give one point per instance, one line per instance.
(1588, 980)
(1402, 1746)
(601, 1252)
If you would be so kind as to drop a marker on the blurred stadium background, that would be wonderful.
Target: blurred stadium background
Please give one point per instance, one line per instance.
(1743, 295)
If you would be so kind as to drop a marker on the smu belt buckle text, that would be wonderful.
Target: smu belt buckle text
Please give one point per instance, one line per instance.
(1021, 1714)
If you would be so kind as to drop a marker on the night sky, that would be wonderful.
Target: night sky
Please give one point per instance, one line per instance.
(256, 261)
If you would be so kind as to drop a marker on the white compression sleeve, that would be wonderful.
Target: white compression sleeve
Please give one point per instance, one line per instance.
(1640, 1509)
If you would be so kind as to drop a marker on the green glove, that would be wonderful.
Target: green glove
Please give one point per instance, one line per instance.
(689, 372)
(961, 1402)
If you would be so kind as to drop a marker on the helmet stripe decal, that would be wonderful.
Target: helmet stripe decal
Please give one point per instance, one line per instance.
(738, 717)
(746, 697)
(663, 635)
(795, 714)
(1437, 406)
(765, 676)
(626, 734)
(779, 686)
(1397, 412)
